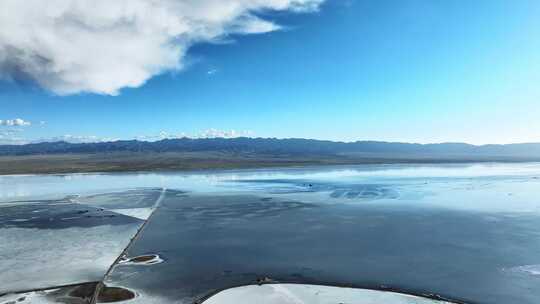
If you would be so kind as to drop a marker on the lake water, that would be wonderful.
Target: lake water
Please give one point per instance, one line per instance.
(468, 233)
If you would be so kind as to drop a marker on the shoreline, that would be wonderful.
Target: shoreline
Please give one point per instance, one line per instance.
(183, 162)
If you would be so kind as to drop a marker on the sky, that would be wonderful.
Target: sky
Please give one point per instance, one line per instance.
(411, 71)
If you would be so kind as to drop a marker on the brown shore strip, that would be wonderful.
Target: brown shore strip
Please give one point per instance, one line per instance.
(176, 161)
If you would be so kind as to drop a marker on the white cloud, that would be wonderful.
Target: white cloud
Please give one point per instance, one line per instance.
(210, 133)
(17, 122)
(162, 135)
(10, 137)
(10, 133)
(102, 46)
(214, 133)
(77, 139)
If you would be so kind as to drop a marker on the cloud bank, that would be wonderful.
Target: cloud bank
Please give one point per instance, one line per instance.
(76, 139)
(17, 122)
(214, 133)
(102, 46)
(13, 136)
(209, 133)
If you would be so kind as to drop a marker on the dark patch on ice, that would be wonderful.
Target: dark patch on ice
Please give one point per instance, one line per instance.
(114, 294)
(70, 212)
(148, 259)
(240, 210)
(264, 280)
(337, 190)
(84, 291)
(81, 294)
(142, 258)
(72, 294)
(59, 216)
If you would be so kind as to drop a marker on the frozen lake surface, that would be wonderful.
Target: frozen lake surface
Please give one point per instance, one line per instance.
(467, 233)
(72, 240)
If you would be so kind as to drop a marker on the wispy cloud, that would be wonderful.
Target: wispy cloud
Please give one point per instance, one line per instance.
(215, 133)
(162, 135)
(11, 129)
(102, 46)
(209, 133)
(11, 137)
(12, 140)
(76, 139)
(16, 122)
(14, 137)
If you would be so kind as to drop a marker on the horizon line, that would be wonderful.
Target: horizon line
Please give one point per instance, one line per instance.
(45, 141)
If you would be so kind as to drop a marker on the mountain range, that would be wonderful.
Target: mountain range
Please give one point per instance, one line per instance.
(283, 147)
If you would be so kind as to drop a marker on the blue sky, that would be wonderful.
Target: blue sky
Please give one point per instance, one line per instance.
(415, 71)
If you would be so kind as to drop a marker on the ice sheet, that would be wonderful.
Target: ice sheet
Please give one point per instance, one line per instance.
(58, 242)
(309, 294)
(39, 258)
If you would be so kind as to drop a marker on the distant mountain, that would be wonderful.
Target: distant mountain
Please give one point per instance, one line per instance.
(283, 147)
